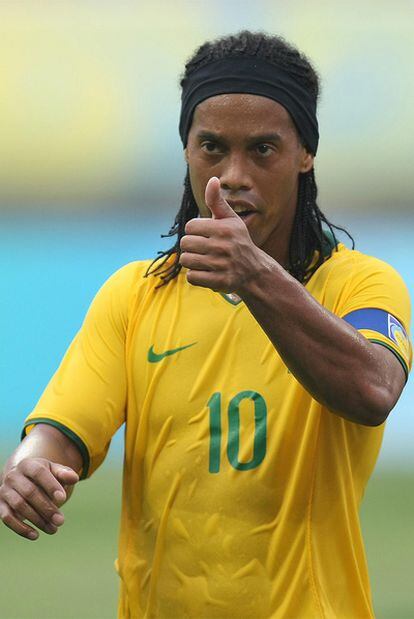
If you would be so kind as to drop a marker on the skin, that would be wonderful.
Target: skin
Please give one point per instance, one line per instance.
(37, 480)
(339, 367)
(262, 172)
(354, 378)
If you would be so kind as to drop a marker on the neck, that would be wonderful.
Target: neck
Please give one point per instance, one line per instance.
(279, 251)
(278, 243)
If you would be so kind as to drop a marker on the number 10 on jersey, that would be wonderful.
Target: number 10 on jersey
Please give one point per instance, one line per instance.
(233, 439)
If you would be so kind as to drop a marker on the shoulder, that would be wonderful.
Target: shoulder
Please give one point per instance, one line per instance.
(129, 273)
(349, 279)
(352, 266)
(141, 279)
(115, 293)
(120, 293)
(131, 277)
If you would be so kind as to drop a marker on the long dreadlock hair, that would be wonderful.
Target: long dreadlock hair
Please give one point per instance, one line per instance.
(308, 238)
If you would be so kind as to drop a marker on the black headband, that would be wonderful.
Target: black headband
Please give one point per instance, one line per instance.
(255, 76)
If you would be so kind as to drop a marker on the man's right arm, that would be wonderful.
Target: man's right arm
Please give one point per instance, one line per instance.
(37, 479)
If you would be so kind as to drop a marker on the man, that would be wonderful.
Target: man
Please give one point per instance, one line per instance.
(254, 366)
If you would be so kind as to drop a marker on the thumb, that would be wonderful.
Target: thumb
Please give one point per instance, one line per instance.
(219, 208)
(64, 474)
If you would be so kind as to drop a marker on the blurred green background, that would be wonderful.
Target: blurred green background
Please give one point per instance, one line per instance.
(91, 171)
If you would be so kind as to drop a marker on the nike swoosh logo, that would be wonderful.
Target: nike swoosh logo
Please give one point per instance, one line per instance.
(153, 357)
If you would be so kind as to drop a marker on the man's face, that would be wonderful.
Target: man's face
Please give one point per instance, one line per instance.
(250, 143)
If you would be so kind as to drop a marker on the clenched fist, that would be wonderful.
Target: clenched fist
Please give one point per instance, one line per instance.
(219, 251)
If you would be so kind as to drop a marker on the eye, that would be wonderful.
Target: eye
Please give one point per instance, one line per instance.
(263, 149)
(210, 147)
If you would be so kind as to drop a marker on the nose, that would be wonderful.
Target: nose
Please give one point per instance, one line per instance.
(234, 174)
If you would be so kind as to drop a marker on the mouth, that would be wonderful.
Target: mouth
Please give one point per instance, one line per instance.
(243, 209)
(247, 216)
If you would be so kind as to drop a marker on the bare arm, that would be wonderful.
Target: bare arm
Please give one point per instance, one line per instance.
(344, 371)
(37, 479)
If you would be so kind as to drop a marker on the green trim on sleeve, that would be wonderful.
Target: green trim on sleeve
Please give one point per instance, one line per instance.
(67, 432)
(397, 354)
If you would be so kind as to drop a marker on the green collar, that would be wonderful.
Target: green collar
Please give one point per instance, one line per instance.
(329, 243)
(229, 299)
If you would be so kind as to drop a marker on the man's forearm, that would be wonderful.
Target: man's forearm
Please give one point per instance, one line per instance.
(45, 441)
(336, 364)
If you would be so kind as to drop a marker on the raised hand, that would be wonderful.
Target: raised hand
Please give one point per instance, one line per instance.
(218, 251)
(32, 491)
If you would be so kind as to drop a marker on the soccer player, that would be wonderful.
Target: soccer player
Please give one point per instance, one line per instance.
(253, 364)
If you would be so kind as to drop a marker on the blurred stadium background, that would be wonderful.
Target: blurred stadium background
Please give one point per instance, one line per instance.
(91, 171)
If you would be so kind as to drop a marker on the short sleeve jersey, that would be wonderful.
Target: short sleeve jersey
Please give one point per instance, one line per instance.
(241, 491)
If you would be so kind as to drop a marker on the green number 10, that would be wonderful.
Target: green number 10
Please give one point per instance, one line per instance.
(233, 442)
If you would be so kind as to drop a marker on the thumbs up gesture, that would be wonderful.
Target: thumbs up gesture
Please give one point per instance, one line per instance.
(218, 251)
(220, 209)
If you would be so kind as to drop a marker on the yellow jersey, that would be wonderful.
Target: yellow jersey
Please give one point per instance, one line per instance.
(240, 492)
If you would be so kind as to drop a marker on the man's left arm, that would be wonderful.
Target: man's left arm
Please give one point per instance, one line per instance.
(347, 373)
(338, 366)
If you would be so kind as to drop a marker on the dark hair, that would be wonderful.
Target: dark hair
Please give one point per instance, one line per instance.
(308, 235)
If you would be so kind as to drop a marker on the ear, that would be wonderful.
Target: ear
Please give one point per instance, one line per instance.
(306, 163)
(185, 155)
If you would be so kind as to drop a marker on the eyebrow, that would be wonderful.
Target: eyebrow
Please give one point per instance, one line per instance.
(266, 137)
(209, 135)
(254, 139)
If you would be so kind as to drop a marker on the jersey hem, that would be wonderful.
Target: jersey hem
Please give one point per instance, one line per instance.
(396, 353)
(67, 432)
